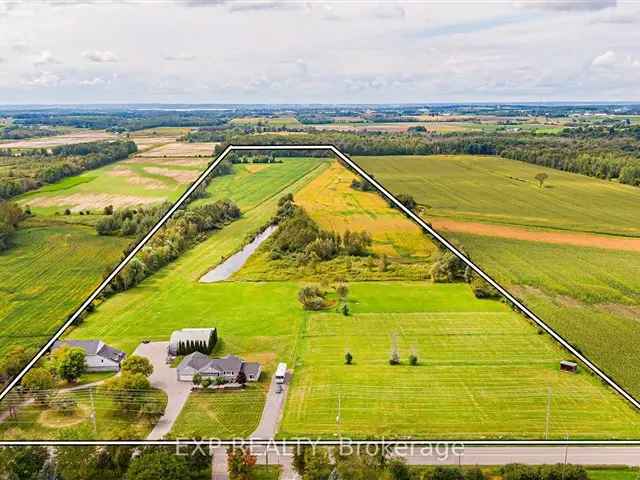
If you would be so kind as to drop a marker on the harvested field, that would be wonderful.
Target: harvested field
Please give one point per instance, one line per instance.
(515, 233)
(146, 143)
(87, 201)
(68, 139)
(132, 178)
(180, 149)
(181, 176)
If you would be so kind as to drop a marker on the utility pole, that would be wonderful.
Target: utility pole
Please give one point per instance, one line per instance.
(93, 412)
(546, 427)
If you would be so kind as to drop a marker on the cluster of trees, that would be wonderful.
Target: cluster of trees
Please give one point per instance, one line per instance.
(16, 132)
(299, 236)
(10, 217)
(113, 462)
(185, 228)
(63, 161)
(13, 361)
(131, 390)
(312, 298)
(185, 348)
(130, 221)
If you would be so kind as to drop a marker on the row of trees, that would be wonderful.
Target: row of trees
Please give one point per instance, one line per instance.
(184, 229)
(190, 346)
(317, 464)
(616, 157)
(113, 462)
(17, 132)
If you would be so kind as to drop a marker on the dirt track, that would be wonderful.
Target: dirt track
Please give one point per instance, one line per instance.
(516, 233)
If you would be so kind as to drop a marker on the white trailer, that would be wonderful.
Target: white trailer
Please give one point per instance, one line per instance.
(281, 373)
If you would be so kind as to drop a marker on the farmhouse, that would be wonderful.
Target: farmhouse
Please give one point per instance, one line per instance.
(227, 368)
(189, 340)
(99, 356)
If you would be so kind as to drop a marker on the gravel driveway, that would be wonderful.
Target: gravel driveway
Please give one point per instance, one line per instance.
(165, 378)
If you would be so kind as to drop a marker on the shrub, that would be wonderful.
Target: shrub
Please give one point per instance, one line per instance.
(312, 298)
(413, 360)
(348, 358)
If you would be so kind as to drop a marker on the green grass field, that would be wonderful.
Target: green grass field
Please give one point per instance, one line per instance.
(483, 372)
(46, 275)
(496, 190)
(233, 414)
(589, 295)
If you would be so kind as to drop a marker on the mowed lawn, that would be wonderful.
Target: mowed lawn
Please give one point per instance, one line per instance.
(497, 190)
(45, 276)
(335, 206)
(484, 372)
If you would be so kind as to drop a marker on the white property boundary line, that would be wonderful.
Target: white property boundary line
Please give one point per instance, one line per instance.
(408, 213)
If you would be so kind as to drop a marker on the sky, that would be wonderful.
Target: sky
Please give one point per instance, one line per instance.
(277, 51)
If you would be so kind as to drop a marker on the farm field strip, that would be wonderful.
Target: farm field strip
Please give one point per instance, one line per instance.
(334, 205)
(64, 264)
(443, 399)
(588, 295)
(496, 190)
(57, 140)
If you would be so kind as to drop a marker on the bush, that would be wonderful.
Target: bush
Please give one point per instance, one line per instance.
(348, 358)
(312, 298)
(413, 360)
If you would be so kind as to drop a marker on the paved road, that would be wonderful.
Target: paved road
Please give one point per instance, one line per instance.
(272, 412)
(219, 464)
(165, 378)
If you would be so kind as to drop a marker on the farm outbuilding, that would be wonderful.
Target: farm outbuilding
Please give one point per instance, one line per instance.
(568, 366)
(189, 340)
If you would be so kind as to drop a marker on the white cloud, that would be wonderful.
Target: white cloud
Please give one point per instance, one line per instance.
(606, 59)
(45, 58)
(180, 57)
(611, 59)
(97, 56)
(42, 79)
(92, 82)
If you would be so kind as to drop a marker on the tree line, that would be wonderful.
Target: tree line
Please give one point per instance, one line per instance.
(185, 228)
(616, 157)
(113, 462)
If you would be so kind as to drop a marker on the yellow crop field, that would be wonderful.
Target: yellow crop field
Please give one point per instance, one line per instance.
(334, 205)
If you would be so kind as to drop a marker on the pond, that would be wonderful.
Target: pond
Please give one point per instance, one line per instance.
(235, 262)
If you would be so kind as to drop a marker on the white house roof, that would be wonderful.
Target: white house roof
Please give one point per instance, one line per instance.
(92, 347)
(191, 334)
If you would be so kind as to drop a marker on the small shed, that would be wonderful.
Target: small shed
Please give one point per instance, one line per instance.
(568, 366)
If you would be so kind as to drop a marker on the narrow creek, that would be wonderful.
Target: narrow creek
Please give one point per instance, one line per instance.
(235, 262)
